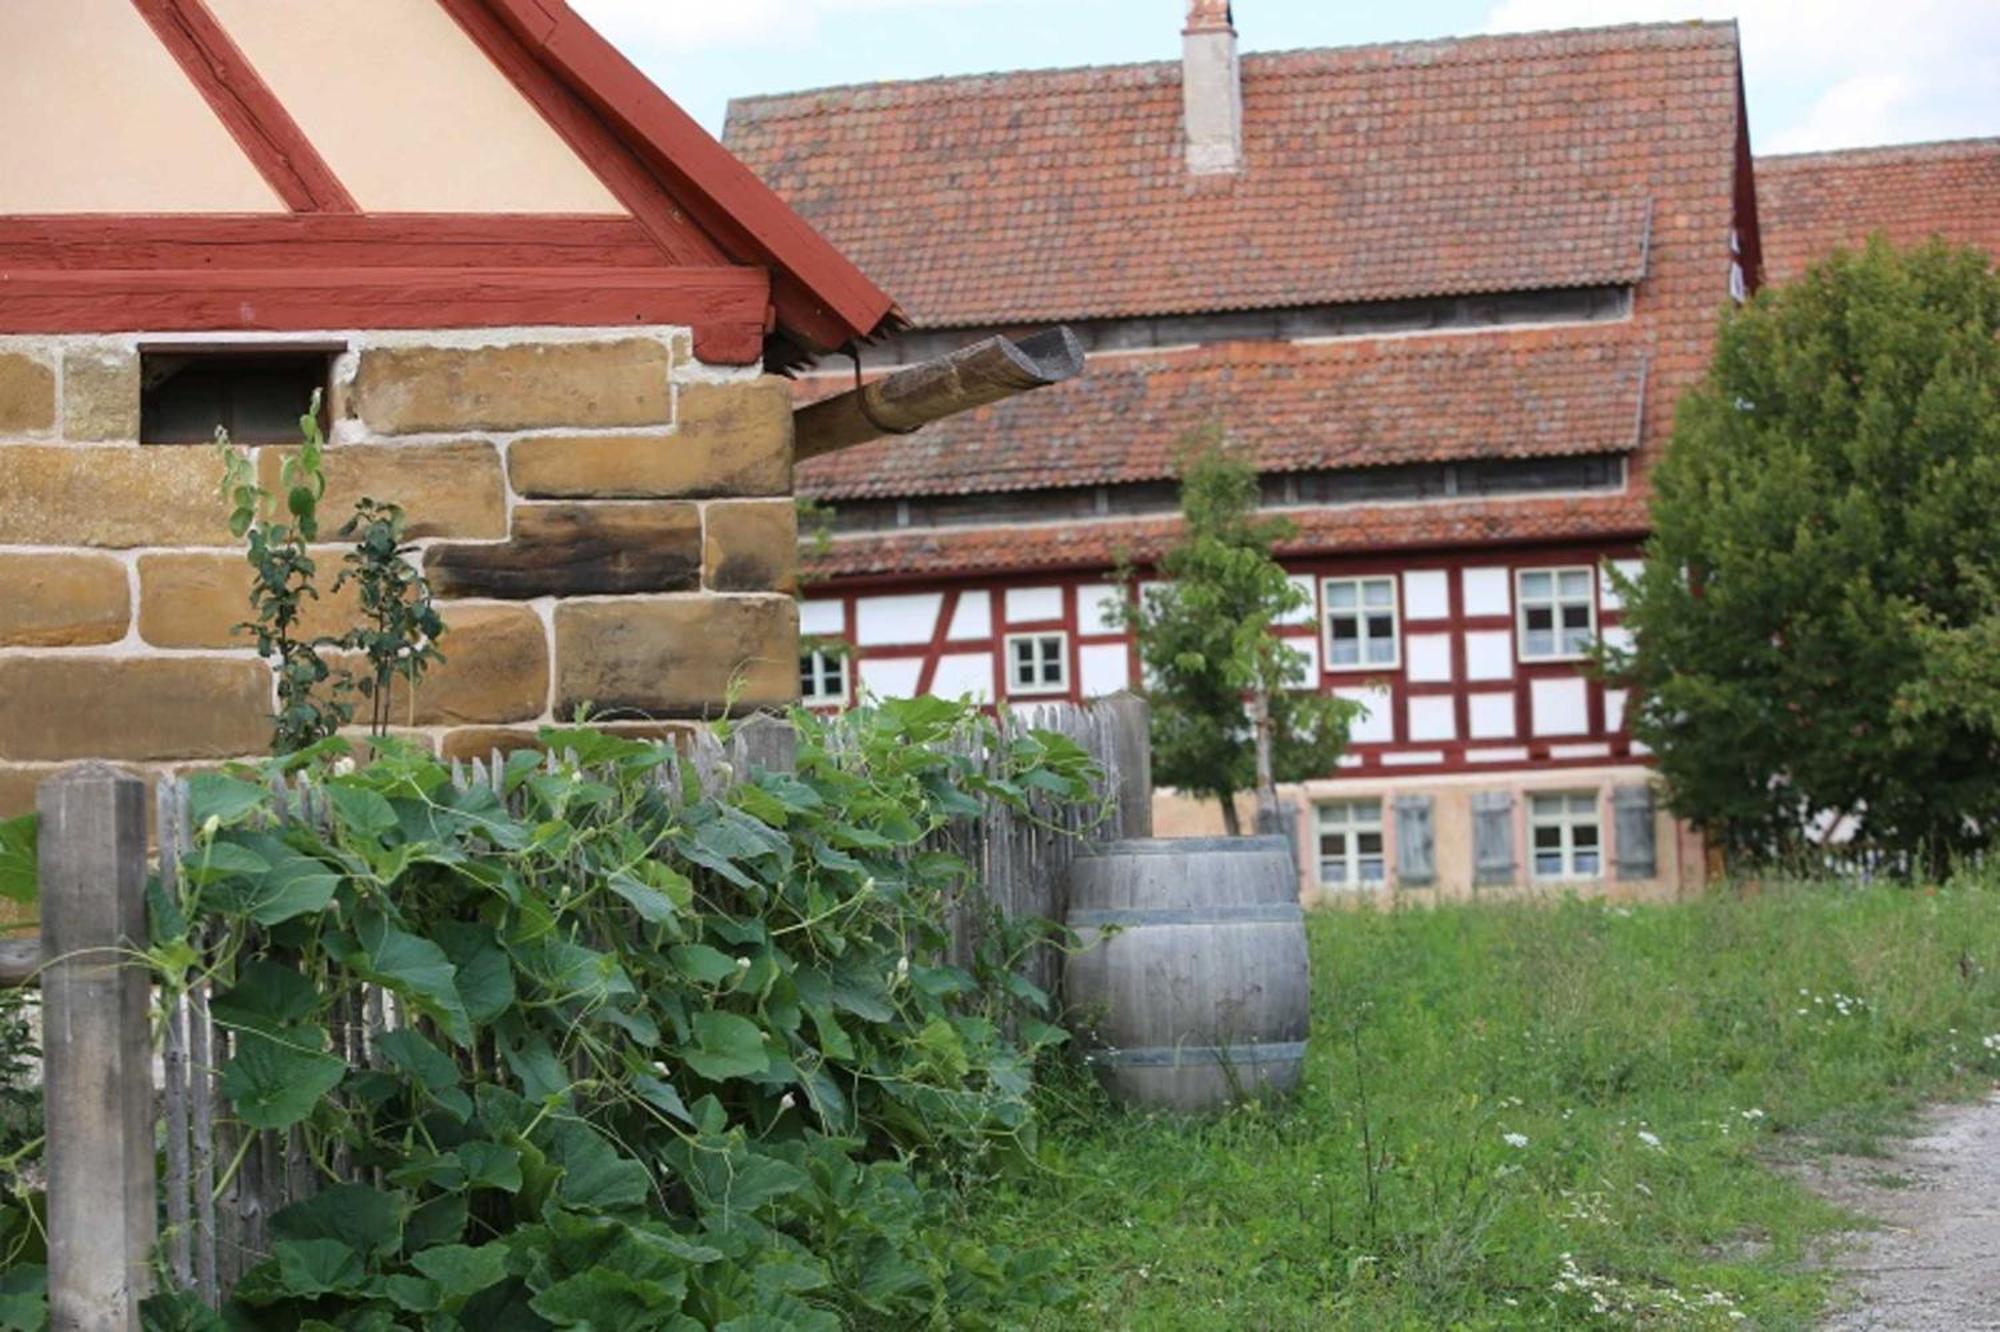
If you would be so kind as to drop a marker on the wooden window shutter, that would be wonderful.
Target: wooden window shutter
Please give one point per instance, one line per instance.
(1632, 806)
(1415, 843)
(1493, 838)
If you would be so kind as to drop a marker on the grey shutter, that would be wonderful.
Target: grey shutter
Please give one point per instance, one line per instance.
(1415, 843)
(1493, 838)
(1632, 806)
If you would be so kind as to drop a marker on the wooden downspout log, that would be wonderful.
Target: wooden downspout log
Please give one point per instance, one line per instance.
(987, 371)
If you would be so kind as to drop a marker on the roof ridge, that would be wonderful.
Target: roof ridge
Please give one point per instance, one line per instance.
(1886, 152)
(1477, 48)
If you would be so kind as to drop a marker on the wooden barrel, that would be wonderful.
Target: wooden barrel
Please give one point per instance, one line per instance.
(1190, 978)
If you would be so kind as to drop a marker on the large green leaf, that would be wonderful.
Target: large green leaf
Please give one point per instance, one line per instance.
(266, 997)
(226, 799)
(460, 1269)
(416, 969)
(604, 1300)
(727, 1046)
(366, 1220)
(319, 1267)
(485, 977)
(276, 1078)
(430, 1068)
(490, 1165)
(363, 812)
(594, 1174)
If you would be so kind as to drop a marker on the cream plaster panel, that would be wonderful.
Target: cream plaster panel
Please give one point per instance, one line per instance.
(885, 621)
(824, 618)
(1427, 657)
(1487, 591)
(1489, 655)
(411, 116)
(1607, 595)
(1033, 605)
(1558, 707)
(1490, 716)
(1308, 611)
(1614, 709)
(1426, 594)
(891, 677)
(97, 117)
(1103, 668)
(1433, 718)
(1090, 614)
(1307, 646)
(1617, 637)
(963, 673)
(1378, 723)
(974, 616)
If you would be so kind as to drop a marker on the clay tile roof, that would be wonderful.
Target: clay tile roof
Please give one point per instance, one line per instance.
(1522, 392)
(1373, 172)
(1100, 544)
(1809, 204)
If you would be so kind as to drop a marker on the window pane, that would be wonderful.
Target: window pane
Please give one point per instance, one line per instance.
(1377, 592)
(1584, 835)
(1333, 871)
(1540, 618)
(808, 679)
(1367, 811)
(1581, 804)
(1539, 643)
(1548, 804)
(1548, 837)
(1370, 843)
(1382, 627)
(1576, 616)
(1536, 585)
(1576, 641)
(1052, 671)
(1340, 595)
(1333, 844)
(1381, 651)
(1586, 862)
(1371, 870)
(1576, 583)
(1548, 865)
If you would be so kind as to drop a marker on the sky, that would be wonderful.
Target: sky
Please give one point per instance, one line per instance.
(1820, 73)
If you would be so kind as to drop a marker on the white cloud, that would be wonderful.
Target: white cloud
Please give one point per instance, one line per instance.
(1831, 73)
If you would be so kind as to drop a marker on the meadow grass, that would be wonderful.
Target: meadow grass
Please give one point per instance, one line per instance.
(1521, 1115)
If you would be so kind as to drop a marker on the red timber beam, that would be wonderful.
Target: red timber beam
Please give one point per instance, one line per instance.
(246, 106)
(725, 307)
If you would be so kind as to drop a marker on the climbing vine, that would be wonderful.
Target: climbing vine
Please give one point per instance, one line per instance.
(657, 1059)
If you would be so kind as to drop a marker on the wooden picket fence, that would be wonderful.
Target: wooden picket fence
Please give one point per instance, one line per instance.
(116, 1082)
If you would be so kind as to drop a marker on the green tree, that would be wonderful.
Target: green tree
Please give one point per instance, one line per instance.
(1825, 523)
(1212, 664)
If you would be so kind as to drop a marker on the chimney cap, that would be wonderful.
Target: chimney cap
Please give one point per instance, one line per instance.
(1209, 16)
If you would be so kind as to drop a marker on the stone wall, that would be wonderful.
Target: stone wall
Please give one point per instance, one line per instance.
(607, 521)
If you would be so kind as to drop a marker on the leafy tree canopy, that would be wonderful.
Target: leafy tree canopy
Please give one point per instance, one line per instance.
(1204, 638)
(1825, 528)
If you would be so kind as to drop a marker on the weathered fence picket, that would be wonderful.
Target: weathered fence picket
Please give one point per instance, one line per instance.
(107, 1106)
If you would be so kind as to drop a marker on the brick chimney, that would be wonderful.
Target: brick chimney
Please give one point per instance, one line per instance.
(1211, 89)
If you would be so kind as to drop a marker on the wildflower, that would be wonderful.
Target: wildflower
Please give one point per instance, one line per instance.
(1753, 1114)
(1992, 1043)
(1515, 1139)
(209, 825)
(743, 964)
(787, 1101)
(343, 766)
(903, 967)
(1650, 1139)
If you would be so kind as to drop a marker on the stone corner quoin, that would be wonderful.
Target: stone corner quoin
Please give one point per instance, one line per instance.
(608, 525)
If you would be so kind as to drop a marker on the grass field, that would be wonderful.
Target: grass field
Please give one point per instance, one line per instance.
(1531, 1116)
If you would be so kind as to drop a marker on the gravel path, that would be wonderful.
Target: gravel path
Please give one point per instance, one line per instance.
(1934, 1266)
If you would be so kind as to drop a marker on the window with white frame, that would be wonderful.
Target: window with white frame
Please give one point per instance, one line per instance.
(822, 677)
(1566, 835)
(1350, 844)
(1558, 613)
(1361, 628)
(1038, 663)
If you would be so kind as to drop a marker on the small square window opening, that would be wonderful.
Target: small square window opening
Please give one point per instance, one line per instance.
(822, 677)
(1565, 835)
(256, 395)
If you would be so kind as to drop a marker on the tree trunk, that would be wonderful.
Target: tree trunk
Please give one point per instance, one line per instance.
(1230, 824)
(1267, 784)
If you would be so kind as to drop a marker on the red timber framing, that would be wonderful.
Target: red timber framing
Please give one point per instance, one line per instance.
(706, 245)
(246, 106)
(1596, 744)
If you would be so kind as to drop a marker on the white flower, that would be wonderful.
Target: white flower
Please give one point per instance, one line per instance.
(343, 766)
(786, 1101)
(1514, 1139)
(903, 967)
(1650, 1139)
(1992, 1043)
(743, 964)
(1753, 1114)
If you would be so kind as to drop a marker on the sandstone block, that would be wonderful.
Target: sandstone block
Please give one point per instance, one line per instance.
(496, 670)
(751, 546)
(729, 439)
(101, 392)
(681, 656)
(446, 490)
(410, 390)
(195, 600)
(27, 395)
(62, 600)
(155, 495)
(57, 708)
(575, 550)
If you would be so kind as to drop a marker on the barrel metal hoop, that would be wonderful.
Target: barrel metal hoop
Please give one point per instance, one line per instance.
(1178, 1056)
(1288, 913)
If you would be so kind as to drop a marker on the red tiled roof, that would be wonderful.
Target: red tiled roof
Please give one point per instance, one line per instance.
(1376, 172)
(1101, 544)
(1514, 393)
(1809, 204)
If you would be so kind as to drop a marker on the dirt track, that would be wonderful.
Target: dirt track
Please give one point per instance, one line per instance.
(1934, 1266)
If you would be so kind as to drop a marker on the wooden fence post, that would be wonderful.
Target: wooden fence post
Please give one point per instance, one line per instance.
(97, 1050)
(1132, 738)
